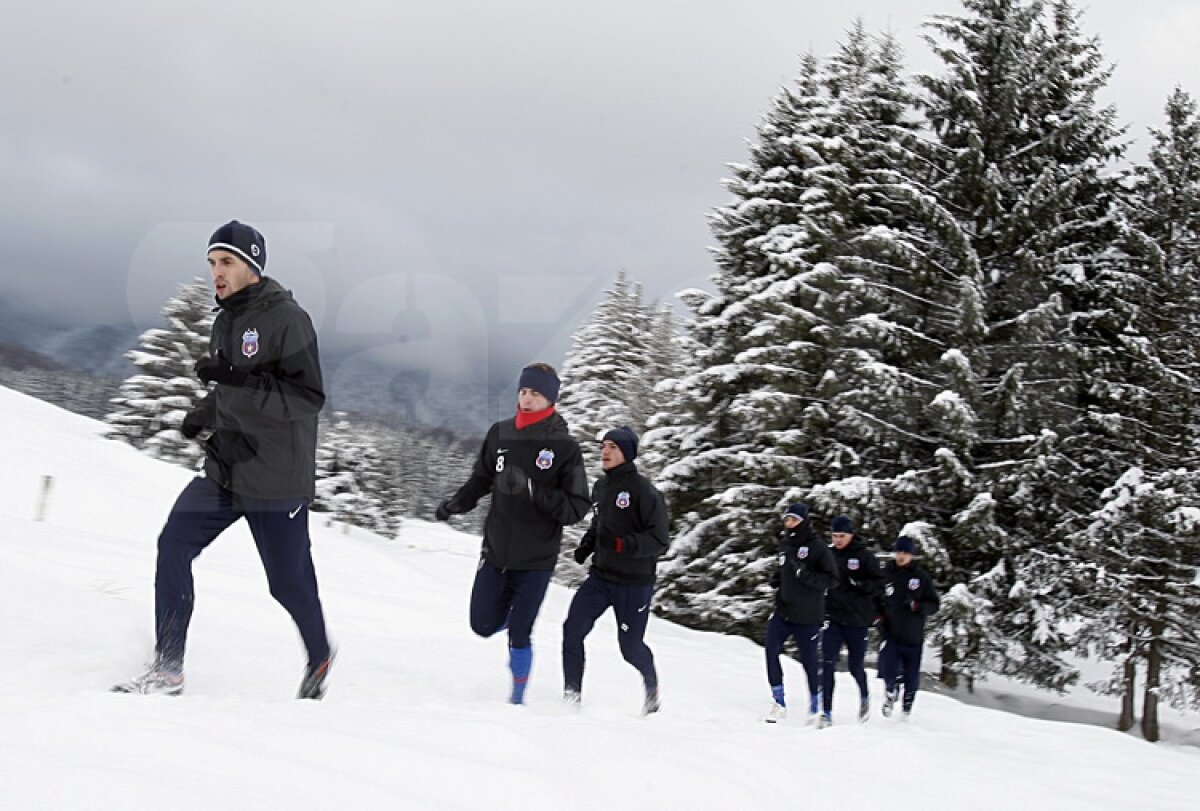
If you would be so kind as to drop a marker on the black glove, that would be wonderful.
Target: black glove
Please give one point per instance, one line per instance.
(193, 423)
(219, 370)
(513, 481)
(443, 511)
(582, 553)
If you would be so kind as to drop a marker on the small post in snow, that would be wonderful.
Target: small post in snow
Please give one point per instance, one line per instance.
(44, 498)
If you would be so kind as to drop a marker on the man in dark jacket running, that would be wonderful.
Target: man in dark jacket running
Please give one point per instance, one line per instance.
(909, 596)
(628, 534)
(850, 610)
(534, 472)
(260, 458)
(805, 572)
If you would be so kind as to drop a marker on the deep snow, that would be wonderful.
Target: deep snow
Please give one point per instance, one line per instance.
(415, 716)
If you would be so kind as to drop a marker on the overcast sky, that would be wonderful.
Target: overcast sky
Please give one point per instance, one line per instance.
(451, 181)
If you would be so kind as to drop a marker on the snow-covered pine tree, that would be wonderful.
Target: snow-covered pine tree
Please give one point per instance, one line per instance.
(1027, 145)
(1134, 560)
(151, 405)
(723, 509)
(608, 380)
(671, 357)
(898, 393)
(1164, 205)
(662, 350)
(805, 340)
(895, 427)
(348, 465)
(1140, 560)
(604, 375)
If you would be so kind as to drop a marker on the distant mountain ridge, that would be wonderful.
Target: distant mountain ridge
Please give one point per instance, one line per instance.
(392, 395)
(95, 349)
(19, 358)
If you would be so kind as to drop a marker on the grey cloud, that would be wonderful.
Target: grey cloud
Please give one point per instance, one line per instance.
(472, 142)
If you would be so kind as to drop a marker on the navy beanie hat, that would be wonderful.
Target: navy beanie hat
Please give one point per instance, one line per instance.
(625, 439)
(243, 240)
(799, 510)
(842, 523)
(543, 381)
(905, 544)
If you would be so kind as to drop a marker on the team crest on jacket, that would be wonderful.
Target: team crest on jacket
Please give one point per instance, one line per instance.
(889, 590)
(802, 553)
(545, 459)
(852, 564)
(914, 584)
(623, 499)
(250, 343)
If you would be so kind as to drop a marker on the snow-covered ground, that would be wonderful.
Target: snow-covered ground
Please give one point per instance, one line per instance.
(415, 716)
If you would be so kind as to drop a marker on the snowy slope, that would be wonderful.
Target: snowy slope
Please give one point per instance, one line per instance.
(416, 716)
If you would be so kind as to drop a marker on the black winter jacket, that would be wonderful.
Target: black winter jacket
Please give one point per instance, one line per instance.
(536, 479)
(629, 528)
(909, 596)
(264, 439)
(853, 601)
(805, 572)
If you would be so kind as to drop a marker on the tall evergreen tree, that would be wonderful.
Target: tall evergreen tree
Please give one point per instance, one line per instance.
(800, 380)
(604, 376)
(1135, 558)
(671, 355)
(1026, 146)
(151, 405)
(1164, 205)
(1141, 555)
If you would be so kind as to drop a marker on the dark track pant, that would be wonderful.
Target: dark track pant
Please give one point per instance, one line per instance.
(806, 636)
(901, 661)
(280, 529)
(630, 604)
(832, 639)
(507, 599)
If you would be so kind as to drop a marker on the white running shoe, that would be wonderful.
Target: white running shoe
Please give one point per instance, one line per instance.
(778, 713)
(154, 682)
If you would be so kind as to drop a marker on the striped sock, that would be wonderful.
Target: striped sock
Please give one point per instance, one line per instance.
(520, 661)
